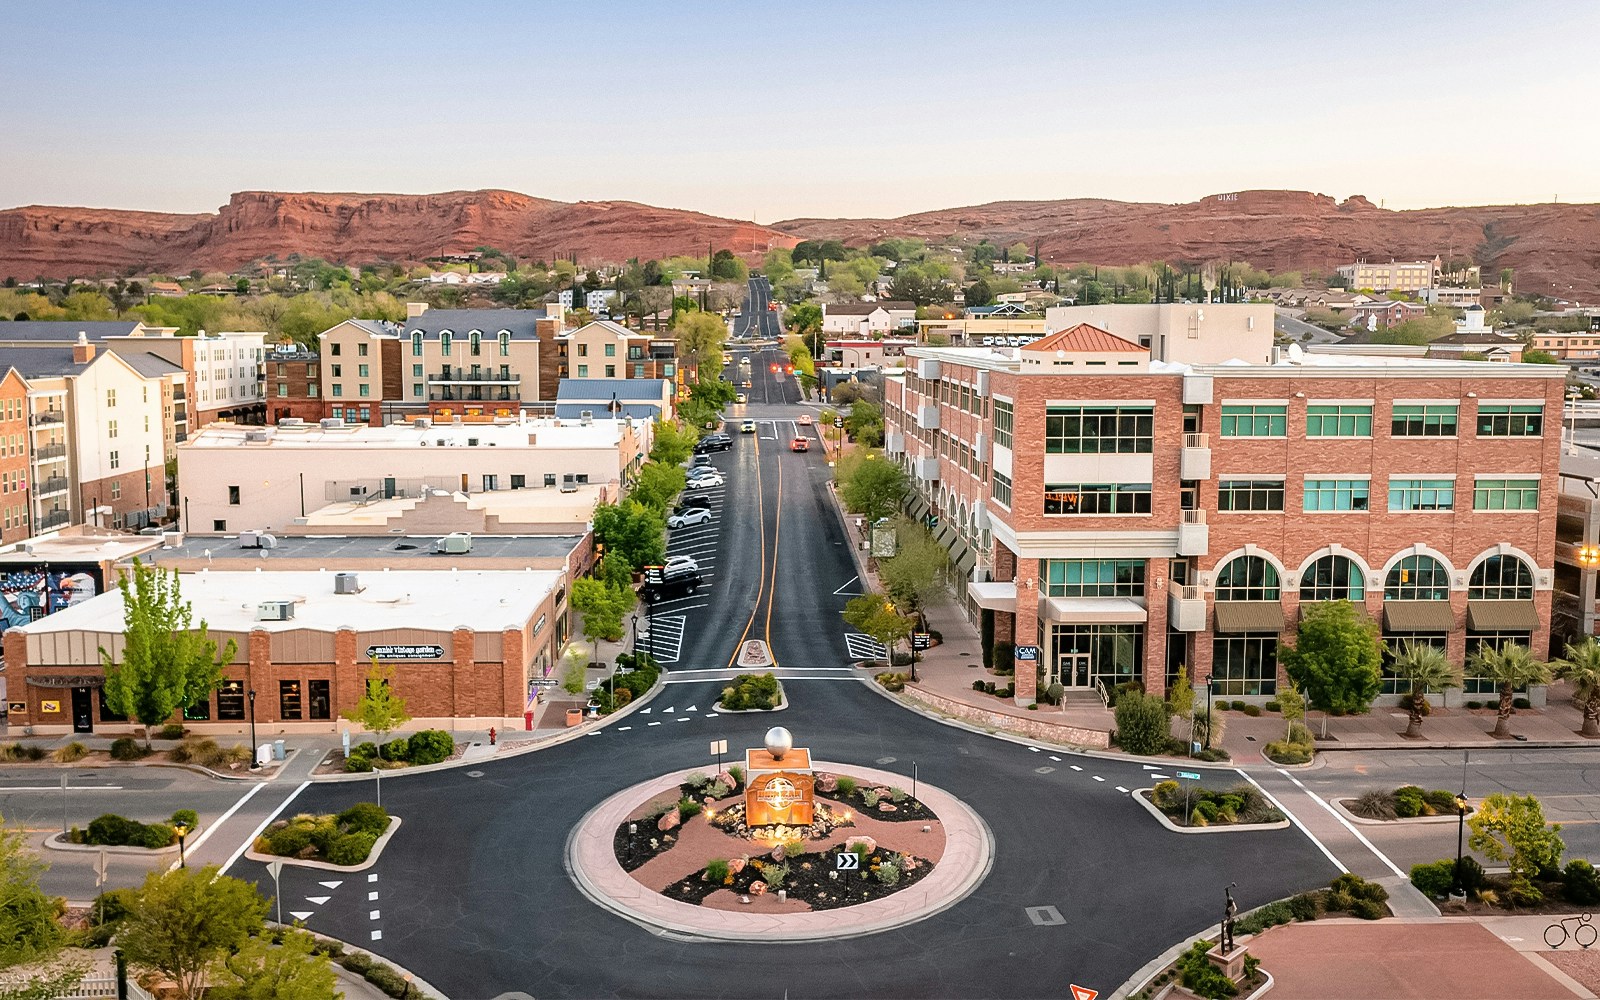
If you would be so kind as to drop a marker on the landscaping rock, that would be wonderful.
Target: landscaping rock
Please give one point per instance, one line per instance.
(668, 820)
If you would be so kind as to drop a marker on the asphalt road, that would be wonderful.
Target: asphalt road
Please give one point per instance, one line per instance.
(756, 320)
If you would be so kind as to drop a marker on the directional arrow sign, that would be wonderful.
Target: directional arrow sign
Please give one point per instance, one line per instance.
(1083, 992)
(849, 861)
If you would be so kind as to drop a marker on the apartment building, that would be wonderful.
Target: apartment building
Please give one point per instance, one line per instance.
(1181, 332)
(227, 377)
(236, 479)
(16, 515)
(603, 349)
(1584, 345)
(292, 383)
(1394, 276)
(1122, 516)
(361, 373)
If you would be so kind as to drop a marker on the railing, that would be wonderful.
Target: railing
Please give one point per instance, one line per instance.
(1194, 517)
(50, 452)
(1197, 440)
(1100, 689)
(1185, 591)
(94, 987)
(47, 417)
(54, 519)
(178, 395)
(472, 375)
(53, 485)
(473, 395)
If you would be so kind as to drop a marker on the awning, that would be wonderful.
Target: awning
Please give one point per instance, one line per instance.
(946, 535)
(918, 507)
(1418, 616)
(993, 595)
(969, 559)
(1093, 610)
(1249, 616)
(1502, 616)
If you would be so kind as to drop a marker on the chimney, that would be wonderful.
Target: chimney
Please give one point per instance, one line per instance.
(82, 351)
(415, 309)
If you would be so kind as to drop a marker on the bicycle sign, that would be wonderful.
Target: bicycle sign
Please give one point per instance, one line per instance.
(1583, 931)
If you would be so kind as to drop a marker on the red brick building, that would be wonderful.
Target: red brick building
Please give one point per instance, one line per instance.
(1122, 516)
(292, 384)
(16, 522)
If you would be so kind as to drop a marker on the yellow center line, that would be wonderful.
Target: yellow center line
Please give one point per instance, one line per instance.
(777, 527)
(762, 582)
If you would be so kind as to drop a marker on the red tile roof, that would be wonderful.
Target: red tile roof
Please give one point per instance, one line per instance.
(1082, 339)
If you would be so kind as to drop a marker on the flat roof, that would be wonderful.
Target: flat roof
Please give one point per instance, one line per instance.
(601, 433)
(541, 506)
(1008, 359)
(390, 547)
(483, 600)
(83, 548)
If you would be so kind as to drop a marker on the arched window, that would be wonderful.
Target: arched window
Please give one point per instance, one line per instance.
(505, 344)
(1333, 578)
(1417, 578)
(444, 343)
(416, 343)
(1247, 578)
(474, 343)
(1501, 578)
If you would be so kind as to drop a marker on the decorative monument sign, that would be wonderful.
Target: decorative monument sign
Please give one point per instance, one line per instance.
(779, 783)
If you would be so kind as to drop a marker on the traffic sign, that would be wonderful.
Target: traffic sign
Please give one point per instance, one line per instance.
(848, 861)
(838, 421)
(1191, 775)
(719, 746)
(921, 640)
(1082, 992)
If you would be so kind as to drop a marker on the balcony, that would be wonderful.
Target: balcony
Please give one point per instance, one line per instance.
(1194, 537)
(178, 395)
(1194, 462)
(50, 453)
(46, 418)
(1186, 608)
(928, 416)
(473, 394)
(52, 486)
(894, 443)
(473, 375)
(54, 519)
(926, 468)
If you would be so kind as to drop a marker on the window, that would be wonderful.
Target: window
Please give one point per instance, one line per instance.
(283, 390)
(475, 343)
(1092, 577)
(366, 415)
(416, 389)
(321, 702)
(1088, 430)
(111, 397)
(116, 460)
(1424, 420)
(1255, 420)
(338, 371)
(611, 350)
(1421, 494)
(361, 350)
(583, 371)
(505, 344)
(1250, 494)
(1501, 578)
(1247, 578)
(289, 701)
(1097, 498)
(444, 343)
(219, 525)
(1336, 494)
(338, 413)
(1505, 494)
(518, 481)
(416, 343)
(1477, 642)
(1004, 420)
(311, 390)
(111, 428)
(1394, 644)
(233, 496)
(363, 371)
(611, 371)
(1511, 420)
(335, 348)
(364, 389)
(230, 701)
(1244, 664)
(1333, 578)
(1417, 578)
(200, 711)
(338, 390)
(1339, 420)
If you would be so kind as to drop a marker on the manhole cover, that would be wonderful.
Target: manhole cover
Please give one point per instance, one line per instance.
(474, 774)
(1043, 770)
(886, 760)
(1044, 916)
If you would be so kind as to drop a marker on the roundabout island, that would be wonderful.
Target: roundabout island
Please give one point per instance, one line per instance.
(781, 850)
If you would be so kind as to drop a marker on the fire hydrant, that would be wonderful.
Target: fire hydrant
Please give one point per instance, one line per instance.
(491, 736)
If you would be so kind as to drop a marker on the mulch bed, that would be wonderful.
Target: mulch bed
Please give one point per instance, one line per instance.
(810, 881)
(907, 810)
(1553, 903)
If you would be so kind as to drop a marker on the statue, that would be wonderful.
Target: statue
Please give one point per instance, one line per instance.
(1229, 909)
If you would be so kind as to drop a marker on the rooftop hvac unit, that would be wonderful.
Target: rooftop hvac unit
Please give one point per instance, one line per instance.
(330, 423)
(454, 544)
(422, 423)
(291, 422)
(257, 540)
(346, 583)
(274, 611)
(257, 436)
(586, 417)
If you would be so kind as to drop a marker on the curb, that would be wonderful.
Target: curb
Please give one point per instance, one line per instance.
(1393, 824)
(54, 843)
(1143, 800)
(783, 703)
(422, 986)
(1334, 747)
(372, 855)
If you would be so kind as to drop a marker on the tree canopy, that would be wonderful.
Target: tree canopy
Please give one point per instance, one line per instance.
(186, 921)
(871, 485)
(1337, 657)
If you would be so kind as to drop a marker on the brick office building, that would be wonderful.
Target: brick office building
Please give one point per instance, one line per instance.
(1121, 516)
(467, 647)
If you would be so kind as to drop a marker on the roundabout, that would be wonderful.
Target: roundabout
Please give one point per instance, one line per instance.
(845, 873)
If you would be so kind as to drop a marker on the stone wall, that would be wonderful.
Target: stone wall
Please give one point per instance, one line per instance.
(1038, 729)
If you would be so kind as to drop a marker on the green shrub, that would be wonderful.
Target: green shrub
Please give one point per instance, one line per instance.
(1004, 692)
(286, 842)
(1408, 801)
(892, 681)
(1142, 723)
(1271, 915)
(1580, 883)
(360, 765)
(1238, 704)
(171, 731)
(1436, 879)
(1252, 710)
(1055, 692)
(112, 830)
(1274, 706)
(398, 749)
(1474, 704)
(1305, 906)
(977, 686)
(1282, 752)
(156, 835)
(775, 876)
(847, 787)
(1206, 810)
(716, 871)
(751, 691)
(1166, 795)
(688, 808)
(1521, 703)
(1368, 909)
(72, 752)
(431, 746)
(737, 774)
(350, 848)
(888, 874)
(1472, 877)
(127, 748)
(364, 817)
(357, 962)
(1202, 978)
(1441, 802)
(870, 797)
(389, 981)
(185, 817)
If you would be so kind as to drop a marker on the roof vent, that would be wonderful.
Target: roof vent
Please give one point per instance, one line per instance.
(422, 423)
(330, 423)
(258, 437)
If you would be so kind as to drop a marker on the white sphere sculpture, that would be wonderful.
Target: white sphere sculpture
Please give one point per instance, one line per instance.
(779, 742)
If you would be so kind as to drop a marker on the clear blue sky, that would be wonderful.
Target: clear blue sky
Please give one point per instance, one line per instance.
(768, 111)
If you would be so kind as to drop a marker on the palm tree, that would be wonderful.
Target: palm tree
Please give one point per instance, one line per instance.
(1424, 667)
(1511, 666)
(1580, 664)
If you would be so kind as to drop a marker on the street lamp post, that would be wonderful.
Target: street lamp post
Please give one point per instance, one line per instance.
(1461, 830)
(1208, 711)
(255, 756)
(183, 832)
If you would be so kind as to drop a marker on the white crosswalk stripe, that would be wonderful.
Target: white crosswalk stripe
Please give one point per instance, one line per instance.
(864, 647)
(664, 640)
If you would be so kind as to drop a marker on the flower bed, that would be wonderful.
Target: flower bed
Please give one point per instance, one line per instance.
(344, 839)
(1241, 805)
(888, 803)
(813, 879)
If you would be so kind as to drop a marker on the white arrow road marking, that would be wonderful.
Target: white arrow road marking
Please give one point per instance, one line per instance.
(1148, 767)
(692, 708)
(669, 709)
(1158, 776)
(331, 885)
(319, 900)
(300, 914)
(644, 711)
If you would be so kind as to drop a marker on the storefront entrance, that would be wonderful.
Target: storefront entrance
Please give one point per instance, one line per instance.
(1074, 670)
(82, 710)
(1082, 654)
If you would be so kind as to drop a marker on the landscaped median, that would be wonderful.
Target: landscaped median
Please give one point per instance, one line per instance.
(121, 835)
(1189, 809)
(753, 693)
(347, 841)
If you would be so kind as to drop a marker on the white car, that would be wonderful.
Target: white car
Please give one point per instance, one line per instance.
(707, 478)
(677, 564)
(695, 515)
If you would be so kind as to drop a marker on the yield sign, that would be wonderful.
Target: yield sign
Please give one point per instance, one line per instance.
(1083, 992)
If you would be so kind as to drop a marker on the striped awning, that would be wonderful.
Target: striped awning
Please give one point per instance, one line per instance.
(1418, 616)
(918, 507)
(1249, 616)
(1502, 616)
(968, 559)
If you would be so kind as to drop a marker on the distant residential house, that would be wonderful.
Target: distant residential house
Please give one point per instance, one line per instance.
(614, 398)
(486, 277)
(1335, 301)
(164, 288)
(445, 278)
(1001, 310)
(1493, 346)
(595, 301)
(1383, 315)
(867, 318)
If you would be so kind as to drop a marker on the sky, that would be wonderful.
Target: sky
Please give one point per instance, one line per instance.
(767, 111)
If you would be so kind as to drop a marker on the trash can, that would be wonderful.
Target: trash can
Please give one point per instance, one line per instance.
(277, 750)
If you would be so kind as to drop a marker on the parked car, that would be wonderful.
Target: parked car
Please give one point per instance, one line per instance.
(748, 427)
(707, 477)
(701, 461)
(713, 442)
(689, 503)
(800, 444)
(677, 564)
(697, 515)
(741, 398)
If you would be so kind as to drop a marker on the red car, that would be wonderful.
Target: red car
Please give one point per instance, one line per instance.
(800, 444)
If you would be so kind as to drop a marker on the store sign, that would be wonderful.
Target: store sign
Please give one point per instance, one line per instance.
(538, 626)
(780, 797)
(406, 652)
(1027, 653)
(50, 707)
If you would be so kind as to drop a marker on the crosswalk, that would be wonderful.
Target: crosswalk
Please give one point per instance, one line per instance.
(864, 647)
(664, 640)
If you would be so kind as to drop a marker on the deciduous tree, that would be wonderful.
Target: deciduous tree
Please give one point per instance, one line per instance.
(601, 608)
(672, 443)
(701, 336)
(872, 486)
(1511, 829)
(916, 575)
(288, 970)
(635, 530)
(1336, 659)
(186, 921)
(876, 616)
